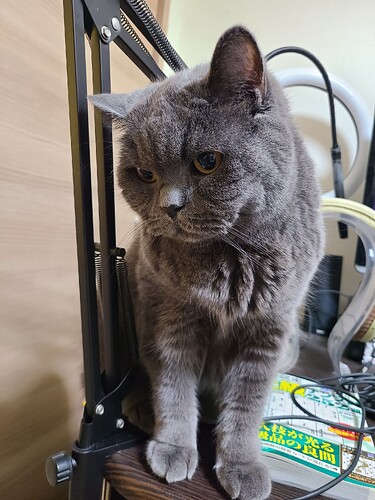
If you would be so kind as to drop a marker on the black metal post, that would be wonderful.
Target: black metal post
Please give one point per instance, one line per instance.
(143, 61)
(104, 161)
(79, 132)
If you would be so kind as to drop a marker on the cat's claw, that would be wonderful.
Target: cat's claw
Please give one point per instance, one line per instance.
(249, 481)
(173, 463)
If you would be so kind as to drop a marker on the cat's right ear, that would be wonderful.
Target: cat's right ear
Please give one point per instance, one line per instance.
(237, 68)
(116, 107)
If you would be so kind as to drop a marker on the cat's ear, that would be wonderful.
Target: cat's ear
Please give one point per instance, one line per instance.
(116, 106)
(237, 69)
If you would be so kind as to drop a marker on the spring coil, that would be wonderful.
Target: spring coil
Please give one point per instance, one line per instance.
(126, 316)
(166, 50)
(129, 29)
(98, 271)
(98, 274)
(125, 308)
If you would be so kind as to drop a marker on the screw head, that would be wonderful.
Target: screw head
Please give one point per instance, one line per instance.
(99, 410)
(120, 423)
(116, 25)
(106, 33)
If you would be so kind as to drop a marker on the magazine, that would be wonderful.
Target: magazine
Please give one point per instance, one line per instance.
(308, 454)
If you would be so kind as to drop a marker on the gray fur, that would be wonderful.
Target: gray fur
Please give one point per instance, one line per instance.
(217, 288)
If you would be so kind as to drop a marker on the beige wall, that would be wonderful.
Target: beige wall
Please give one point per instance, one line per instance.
(340, 33)
(40, 355)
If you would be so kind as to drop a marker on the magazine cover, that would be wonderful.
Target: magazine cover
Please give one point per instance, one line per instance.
(314, 444)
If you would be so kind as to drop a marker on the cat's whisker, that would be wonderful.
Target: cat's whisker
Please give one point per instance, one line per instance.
(253, 245)
(247, 238)
(132, 232)
(129, 234)
(237, 247)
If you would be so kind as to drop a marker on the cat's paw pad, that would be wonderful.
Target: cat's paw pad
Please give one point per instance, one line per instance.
(249, 481)
(173, 463)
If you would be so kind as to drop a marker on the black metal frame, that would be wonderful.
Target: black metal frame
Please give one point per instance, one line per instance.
(103, 430)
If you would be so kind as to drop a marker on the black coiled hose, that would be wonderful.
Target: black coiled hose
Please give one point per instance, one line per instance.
(165, 49)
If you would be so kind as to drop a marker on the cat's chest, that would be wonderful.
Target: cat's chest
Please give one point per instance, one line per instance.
(220, 282)
(225, 287)
(225, 283)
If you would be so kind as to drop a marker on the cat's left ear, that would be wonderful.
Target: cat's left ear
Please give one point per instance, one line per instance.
(237, 68)
(116, 106)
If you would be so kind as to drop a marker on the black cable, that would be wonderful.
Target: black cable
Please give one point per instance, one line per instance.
(338, 178)
(366, 394)
(327, 82)
(349, 380)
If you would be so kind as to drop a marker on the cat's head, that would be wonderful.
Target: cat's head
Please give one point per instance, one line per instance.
(206, 147)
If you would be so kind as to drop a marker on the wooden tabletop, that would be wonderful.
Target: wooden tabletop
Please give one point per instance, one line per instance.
(127, 471)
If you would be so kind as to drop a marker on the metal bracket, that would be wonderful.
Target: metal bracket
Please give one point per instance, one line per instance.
(107, 417)
(105, 15)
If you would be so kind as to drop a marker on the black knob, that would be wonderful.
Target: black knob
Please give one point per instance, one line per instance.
(59, 468)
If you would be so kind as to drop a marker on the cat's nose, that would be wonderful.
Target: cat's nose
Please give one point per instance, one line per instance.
(172, 210)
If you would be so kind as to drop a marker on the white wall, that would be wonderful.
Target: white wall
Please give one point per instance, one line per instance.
(340, 33)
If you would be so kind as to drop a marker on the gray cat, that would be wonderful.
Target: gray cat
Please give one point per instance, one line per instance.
(231, 235)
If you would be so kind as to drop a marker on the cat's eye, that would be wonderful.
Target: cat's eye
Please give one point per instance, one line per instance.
(208, 161)
(146, 175)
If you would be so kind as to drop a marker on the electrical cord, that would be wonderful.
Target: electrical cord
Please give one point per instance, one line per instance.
(327, 82)
(366, 394)
(338, 177)
(350, 382)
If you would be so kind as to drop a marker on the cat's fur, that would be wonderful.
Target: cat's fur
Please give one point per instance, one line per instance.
(217, 287)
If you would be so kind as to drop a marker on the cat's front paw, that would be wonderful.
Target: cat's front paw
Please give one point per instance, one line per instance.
(173, 463)
(249, 481)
